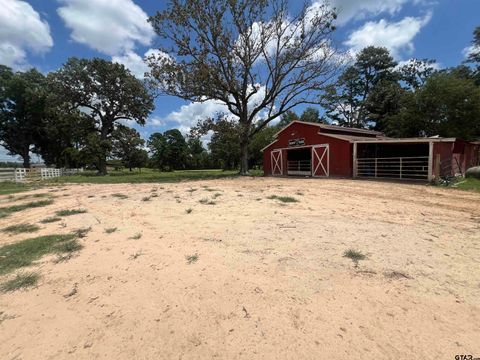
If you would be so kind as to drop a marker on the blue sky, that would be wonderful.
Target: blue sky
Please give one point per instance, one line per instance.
(45, 33)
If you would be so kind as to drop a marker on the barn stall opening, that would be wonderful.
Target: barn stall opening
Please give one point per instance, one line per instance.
(320, 150)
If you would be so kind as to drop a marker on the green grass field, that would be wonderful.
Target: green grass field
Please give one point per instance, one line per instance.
(148, 176)
(470, 184)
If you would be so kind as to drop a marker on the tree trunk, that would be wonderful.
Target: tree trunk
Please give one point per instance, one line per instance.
(102, 166)
(244, 158)
(26, 158)
(26, 161)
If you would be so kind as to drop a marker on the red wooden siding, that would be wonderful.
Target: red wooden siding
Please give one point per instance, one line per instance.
(341, 161)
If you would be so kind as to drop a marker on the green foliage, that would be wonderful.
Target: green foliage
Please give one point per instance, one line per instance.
(127, 146)
(51, 220)
(169, 150)
(21, 228)
(147, 176)
(5, 211)
(191, 258)
(23, 253)
(7, 187)
(108, 91)
(20, 281)
(354, 255)
(310, 114)
(111, 230)
(470, 184)
(285, 199)
(70, 212)
(22, 110)
(447, 105)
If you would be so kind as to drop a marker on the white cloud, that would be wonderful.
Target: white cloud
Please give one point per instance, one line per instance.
(189, 115)
(395, 36)
(361, 9)
(135, 63)
(21, 31)
(472, 49)
(155, 121)
(110, 27)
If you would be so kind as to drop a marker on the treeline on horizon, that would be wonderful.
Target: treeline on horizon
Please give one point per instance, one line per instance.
(75, 116)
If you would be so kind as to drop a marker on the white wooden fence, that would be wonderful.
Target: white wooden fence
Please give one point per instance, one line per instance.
(23, 174)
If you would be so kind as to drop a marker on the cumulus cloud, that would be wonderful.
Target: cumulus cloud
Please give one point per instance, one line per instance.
(395, 36)
(356, 10)
(110, 27)
(22, 31)
(137, 64)
(470, 50)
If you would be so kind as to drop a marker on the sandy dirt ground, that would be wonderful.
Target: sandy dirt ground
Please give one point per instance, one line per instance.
(270, 281)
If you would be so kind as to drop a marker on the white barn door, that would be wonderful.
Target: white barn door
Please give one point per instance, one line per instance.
(276, 161)
(320, 160)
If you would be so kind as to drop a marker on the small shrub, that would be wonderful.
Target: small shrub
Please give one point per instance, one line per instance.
(50, 219)
(189, 210)
(70, 212)
(21, 228)
(191, 258)
(146, 198)
(354, 255)
(20, 281)
(110, 230)
(191, 190)
(216, 195)
(285, 199)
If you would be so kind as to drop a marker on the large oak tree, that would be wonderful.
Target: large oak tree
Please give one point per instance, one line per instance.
(107, 92)
(253, 56)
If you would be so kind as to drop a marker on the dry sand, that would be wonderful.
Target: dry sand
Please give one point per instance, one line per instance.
(270, 281)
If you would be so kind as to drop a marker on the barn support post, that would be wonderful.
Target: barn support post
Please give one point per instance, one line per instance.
(354, 160)
(430, 161)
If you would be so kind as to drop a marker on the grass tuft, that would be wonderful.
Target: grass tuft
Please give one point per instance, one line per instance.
(120, 196)
(146, 198)
(205, 201)
(354, 255)
(24, 253)
(189, 210)
(111, 230)
(285, 199)
(6, 211)
(136, 236)
(20, 281)
(51, 219)
(191, 258)
(70, 212)
(21, 228)
(81, 233)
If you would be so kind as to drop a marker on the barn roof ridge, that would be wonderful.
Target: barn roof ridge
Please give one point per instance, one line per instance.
(331, 127)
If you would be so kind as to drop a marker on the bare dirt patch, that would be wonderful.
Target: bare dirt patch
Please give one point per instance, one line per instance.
(269, 279)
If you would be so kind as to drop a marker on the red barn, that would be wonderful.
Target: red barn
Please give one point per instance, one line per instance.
(320, 150)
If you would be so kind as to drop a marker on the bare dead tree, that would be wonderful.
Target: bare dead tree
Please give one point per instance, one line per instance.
(251, 55)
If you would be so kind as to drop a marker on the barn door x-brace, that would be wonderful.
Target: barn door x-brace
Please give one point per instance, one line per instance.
(277, 162)
(320, 160)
